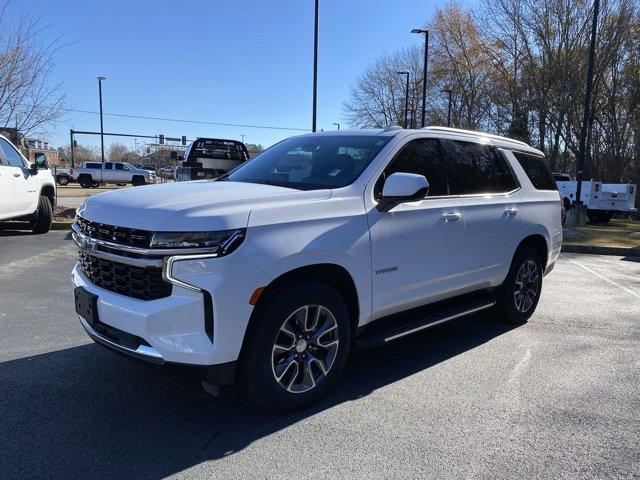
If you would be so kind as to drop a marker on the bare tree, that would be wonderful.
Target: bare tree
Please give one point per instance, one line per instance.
(28, 100)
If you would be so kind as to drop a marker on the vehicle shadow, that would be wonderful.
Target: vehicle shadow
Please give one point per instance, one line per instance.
(84, 411)
(14, 229)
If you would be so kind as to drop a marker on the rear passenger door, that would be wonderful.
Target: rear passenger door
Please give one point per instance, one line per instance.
(492, 208)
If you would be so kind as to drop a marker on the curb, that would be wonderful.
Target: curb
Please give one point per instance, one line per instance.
(61, 225)
(598, 250)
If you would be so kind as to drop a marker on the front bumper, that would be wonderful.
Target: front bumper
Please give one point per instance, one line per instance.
(173, 328)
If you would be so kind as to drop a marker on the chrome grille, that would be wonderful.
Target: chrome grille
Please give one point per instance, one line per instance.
(112, 233)
(144, 283)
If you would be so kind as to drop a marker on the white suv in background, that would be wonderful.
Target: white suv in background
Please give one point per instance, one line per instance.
(268, 276)
(27, 192)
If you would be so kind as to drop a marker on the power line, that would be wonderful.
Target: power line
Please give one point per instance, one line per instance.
(180, 120)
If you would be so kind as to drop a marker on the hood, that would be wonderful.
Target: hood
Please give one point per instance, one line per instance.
(189, 206)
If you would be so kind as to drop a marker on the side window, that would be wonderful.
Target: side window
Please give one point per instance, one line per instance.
(119, 166)
(505, 180)
(472, 168)
(108, 165)
(537, 171)
(92, 165)
(10, 155)
(423, 158)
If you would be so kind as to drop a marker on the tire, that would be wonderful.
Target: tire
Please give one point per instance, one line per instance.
(86, 181)
(62, 180)
(601, 218)
(138, 181)
(95, 184)
(302, 369)
(516, 309)
(44, 217)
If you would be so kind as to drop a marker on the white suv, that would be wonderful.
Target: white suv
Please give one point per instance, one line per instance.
(27, 192)
(268, 276)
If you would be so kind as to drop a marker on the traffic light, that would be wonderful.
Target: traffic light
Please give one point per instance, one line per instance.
(161, 139)
(75, 144)
(184, 140)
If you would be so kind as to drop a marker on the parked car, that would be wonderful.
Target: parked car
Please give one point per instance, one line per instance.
(92, 174)
(27, 191)
(208, 158)
(268, 276)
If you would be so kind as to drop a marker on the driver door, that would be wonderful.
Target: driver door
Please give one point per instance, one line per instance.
(23, 184)
(417, 247)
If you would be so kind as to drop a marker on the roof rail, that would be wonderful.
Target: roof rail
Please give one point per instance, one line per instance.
(475, 133)
(391, 127)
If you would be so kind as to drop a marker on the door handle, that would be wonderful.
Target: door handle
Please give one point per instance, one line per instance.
(511, 211)
(16, 174)
(451, 217)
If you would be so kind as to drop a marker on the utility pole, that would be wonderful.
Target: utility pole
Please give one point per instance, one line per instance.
(424, 72)
(406, 100)
(71, 147)
(315, 69)
(583, 169)
(448, 91)
(100, 79)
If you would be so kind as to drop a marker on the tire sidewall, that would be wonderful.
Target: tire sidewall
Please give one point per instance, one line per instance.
(44, 218)
(257, 378)
(506, 300)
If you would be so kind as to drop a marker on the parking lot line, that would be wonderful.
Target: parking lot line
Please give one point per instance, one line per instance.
(603, 277)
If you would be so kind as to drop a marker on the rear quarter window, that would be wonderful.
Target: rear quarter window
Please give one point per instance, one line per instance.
(536, 169)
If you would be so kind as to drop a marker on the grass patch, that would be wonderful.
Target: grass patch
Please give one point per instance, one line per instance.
(616, 233)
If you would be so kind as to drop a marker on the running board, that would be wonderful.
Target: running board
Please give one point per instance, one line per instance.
(397, 326)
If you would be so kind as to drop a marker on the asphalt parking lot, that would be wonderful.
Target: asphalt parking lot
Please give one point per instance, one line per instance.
(555, 398)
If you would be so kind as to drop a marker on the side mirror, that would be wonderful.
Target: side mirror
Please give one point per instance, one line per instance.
(402, 187)
(33, 169)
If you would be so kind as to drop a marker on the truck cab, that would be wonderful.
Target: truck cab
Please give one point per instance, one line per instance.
(208, 158)
(27, 191)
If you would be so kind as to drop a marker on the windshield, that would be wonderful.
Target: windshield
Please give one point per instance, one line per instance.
(310, 163)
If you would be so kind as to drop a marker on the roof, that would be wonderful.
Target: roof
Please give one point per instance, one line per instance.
(445, 132)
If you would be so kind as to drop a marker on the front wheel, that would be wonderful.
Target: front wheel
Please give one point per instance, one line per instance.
(63, 180)
(44, 217)
(297, 346)
(519, 294)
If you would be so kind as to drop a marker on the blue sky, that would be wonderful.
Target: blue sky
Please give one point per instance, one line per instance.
(241, 62)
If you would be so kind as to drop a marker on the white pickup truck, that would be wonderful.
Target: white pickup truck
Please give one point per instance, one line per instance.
(91, 174)
(27, 191)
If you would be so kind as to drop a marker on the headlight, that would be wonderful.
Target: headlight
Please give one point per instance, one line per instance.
(224, 241)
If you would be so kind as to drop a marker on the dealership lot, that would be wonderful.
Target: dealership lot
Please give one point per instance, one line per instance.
(557, 397)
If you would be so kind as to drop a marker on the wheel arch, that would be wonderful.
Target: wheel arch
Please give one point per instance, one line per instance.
(539, 243)
(330, 273)
(49, 191)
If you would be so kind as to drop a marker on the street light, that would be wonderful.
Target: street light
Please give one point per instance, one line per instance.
(100, 79)
(337, 125)
(315, 69)
(424, 71)
(582, 167)
(406, 100)
(448, 90)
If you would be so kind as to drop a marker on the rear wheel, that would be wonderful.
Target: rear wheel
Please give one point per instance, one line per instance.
(297, 347)
(599, 217)
(44, 217)
(519, 294)
(86, 181)
(62, 180)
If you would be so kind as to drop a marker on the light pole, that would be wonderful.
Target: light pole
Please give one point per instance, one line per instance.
(448, 91)
(315, 69)
(582, 166)
(406, 100)
(100, 79)
(424, 71)
(337, 125)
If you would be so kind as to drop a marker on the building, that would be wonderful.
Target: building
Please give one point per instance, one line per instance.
(35, 146)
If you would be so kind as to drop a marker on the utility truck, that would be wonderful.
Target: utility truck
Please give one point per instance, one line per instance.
(602, 199)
